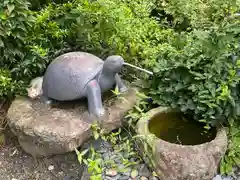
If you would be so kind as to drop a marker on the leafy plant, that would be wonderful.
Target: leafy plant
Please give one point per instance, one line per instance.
(94, 160)
(40, 4)
(99, 27)
(28, 40)
(47, 37)
(94, 163)
(118, 27)
(124, 145)
(8, 86)
(199, 75)
(196, 15)
(232, 156)
(15, 22)
(143, 143)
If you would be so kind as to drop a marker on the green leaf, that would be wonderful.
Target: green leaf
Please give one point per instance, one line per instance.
(3, 16)
(84, 152)
(1, 43)
(96, 135)
(85, 161)
(10, 7)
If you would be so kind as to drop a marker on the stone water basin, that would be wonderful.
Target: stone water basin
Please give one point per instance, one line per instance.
(181, 149)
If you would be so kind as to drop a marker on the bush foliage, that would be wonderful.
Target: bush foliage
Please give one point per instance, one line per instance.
(199, 74)
(194, 14)
(198, 71)
(190, 51)
(15, 23)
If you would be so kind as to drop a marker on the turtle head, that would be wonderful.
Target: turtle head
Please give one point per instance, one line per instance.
(113, 64)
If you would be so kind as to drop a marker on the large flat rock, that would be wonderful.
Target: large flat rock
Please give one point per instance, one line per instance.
(42, 130)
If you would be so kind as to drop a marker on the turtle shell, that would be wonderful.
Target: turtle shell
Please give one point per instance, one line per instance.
(67, 75)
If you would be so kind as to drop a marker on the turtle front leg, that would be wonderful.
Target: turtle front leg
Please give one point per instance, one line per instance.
(94, 96)
(120, 84)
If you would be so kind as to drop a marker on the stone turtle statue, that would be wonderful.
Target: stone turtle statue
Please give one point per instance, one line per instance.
(75, 75)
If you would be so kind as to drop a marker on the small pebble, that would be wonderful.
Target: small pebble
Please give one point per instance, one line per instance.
(144, 171)
(106, 157)
(14, 179)
(154, 178)
(117, 177)
(227, 178)
(127, 172)
(134, 174)
(118, 160)
(143, 178)
(50, 168)
(60, 173)
(111, 172)
(124, 178)
(217, 177)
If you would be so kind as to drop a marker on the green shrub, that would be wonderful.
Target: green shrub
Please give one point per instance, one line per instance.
(232, 156)
(31, 39)
(5, 83)
(99, 27)
(191, 14)
(199, 74)
(39, 4)
(119, 27)
(48, 35)
(8, 86)
(28, 38)
(15, 22)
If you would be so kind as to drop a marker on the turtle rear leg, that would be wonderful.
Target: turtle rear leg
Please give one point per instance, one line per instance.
(120, 84)
(46, 100)
(94, 96)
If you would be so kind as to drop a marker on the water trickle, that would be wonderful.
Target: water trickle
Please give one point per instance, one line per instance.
(141, 69)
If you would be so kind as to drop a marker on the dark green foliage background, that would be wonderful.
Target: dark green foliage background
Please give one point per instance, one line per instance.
(189, 51)
(199, 76)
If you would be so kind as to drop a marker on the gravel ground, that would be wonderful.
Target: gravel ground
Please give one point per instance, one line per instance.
(139, 171)
(15, 164)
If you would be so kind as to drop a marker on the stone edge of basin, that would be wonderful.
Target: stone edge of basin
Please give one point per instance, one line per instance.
(164, 151)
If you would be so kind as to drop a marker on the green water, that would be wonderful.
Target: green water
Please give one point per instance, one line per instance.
(175, 128)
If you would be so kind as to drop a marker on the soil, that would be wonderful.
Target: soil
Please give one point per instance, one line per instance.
(15, 164)
(4, 105)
